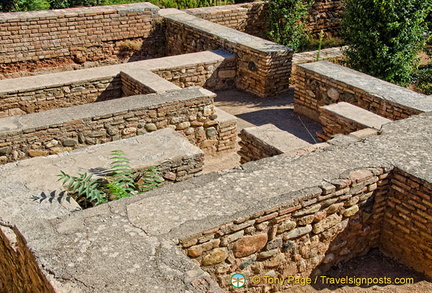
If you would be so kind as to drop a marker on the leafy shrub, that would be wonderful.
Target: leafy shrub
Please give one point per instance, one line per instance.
(120, 182)
(286, 22)
(385, 36)
(422, 80)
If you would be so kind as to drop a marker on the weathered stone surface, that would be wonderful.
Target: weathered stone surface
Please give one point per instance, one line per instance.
(326, 223)
(250, 244)
(349, 212)
(70, 142)
(333, 94)
(215, 256)
(37, 153)
(297, 232)
(150, 127)
(286, 226)
(275, 243)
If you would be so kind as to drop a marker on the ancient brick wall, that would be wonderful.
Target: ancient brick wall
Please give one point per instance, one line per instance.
(263, 68)
(313, 89)
(250, 18)
(330, 223)
(211, 75)
(73, 38)
(345, 118)
(36, 94)
(325, 15)
(406, 232)
(252, 149)
(31, 100)
(53, 132)
(18, 267)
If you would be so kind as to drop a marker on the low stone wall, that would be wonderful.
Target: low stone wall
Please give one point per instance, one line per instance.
(72, 38)
(227, 131)
(406, 232)
(263, 67)
(19, 269)
(324, 83)
(344, 118)
(211, 75)
(58, 90)
(250, 18)
(330, 223)
(30, 100)
(189, 111)
(266, 141)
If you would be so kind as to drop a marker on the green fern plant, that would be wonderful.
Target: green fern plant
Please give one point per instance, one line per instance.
(120, 182)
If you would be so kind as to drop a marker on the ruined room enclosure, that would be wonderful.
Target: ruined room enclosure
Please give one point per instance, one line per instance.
(319, 204)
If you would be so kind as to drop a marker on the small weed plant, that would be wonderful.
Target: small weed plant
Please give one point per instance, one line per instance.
(118, 183)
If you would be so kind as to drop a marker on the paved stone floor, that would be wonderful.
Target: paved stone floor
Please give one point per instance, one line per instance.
(253, 111)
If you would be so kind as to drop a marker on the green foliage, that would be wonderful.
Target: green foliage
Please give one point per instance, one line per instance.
(286, 22)
(422, 80)
(385, 36)
(120, 182)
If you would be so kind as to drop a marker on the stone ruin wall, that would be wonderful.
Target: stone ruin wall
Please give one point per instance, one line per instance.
(262, 69)
(20, 271)
(39, 42)
(212, 74)
(67, 39)
(252, 17)
(325, 15)
(253, 149)
(314, 89)
(331, 223)
(406, 231)
(32, 100)
(194, 118)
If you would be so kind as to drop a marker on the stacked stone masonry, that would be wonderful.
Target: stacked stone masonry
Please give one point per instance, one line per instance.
(252, 149)
(263, 67)
(34, 94)
(72, 38)
(267, 141)
(331, 223)
(190, 112)
(324, 83)
(250, 18)
(325, 15)
(345, 118)
(32, 100)
(212, 75)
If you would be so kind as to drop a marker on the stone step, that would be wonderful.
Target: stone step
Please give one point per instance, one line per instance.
(267, 141)
(344, 118)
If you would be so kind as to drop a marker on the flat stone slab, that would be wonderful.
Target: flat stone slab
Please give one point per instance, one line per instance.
(375, 86)
(284, 141)
(357, 114)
